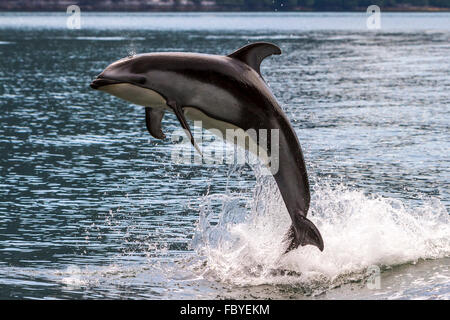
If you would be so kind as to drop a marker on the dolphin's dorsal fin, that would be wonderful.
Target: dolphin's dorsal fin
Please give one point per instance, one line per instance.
(254, 53)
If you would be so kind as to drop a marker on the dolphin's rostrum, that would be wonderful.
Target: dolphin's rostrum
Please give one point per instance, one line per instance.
(224, 92)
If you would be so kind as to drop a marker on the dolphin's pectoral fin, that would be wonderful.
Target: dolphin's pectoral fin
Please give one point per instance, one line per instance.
(180, 116)
(253, 54)
(303, 232)
(153, 118)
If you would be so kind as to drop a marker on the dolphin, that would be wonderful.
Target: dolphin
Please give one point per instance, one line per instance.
(224, 92)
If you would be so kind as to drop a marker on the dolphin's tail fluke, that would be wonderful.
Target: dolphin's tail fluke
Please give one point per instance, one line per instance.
(301, 233)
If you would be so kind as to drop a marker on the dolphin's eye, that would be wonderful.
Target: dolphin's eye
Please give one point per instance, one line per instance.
(140, 80)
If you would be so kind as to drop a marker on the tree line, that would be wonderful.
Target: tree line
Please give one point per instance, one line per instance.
(321, 5)
(222, 5)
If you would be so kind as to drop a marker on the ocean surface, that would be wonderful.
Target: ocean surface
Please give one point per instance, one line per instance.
(93, 207)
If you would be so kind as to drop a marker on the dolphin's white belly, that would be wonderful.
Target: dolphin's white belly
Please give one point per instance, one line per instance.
(137, 95)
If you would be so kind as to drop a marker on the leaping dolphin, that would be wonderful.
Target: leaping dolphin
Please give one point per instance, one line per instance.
(225, 92)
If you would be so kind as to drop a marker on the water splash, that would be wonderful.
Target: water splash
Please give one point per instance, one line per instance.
(242, 244)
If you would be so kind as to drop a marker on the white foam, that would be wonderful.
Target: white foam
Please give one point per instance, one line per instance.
(243, 246)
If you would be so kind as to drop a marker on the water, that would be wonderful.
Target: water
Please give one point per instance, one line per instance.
(93, 207)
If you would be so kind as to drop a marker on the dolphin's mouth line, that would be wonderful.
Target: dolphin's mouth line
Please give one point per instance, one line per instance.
(101, 82)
